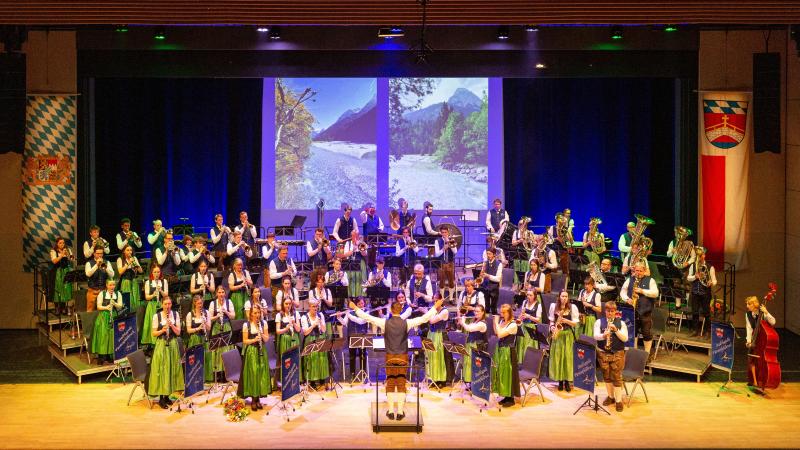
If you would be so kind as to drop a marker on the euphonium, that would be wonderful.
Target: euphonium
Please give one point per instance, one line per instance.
(683, 250)
(596, 239)
(563, 232)
(525, 235)
(703, 275)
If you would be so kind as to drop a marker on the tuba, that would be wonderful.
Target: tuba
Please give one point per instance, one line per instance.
(683, 250)
(563, 232)
(645, 244)
(394, 220)
(595, 273)
(642, 222)
(596, 239)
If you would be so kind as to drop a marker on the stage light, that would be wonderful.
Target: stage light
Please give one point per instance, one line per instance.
(262, 29)
(530, 28)
(502, 33)
(670, 28)
(390, 32)
(160, 34)
(541, 66)
(616, 32)
(275, 33)
(121, 29)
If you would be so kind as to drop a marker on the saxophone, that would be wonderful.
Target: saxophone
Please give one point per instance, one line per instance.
(635, 295)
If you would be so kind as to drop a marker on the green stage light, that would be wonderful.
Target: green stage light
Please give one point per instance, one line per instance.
(670, 28)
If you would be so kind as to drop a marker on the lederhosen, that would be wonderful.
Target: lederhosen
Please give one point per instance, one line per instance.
(447, 271)
(396, 339)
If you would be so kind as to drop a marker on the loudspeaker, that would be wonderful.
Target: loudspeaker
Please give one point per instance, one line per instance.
(12, 102)
(767, 102)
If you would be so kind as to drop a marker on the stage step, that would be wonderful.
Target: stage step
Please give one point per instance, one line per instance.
(694, 363)
(76, 363)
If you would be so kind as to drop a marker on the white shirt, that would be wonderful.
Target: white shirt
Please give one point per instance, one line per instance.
(215, 309)
(231, 249)
(91, 267)
(121, 264)
(650, 292)
(427, 295)
(335, 232)
(345, 318)
(248, 305)
(439, 251)
(591, 297)
(193, 255)
(474, 326)
(310, 251)
(308, 325)
(574, 314)
(273, 271)
(626, 264)
(190, 321)
(496, 277)
(161, 256)
(150, 290)
(508, 329)
(115, 301)
(550, 261)
(88, 249)
(197, 282)
(622, 332)
(712, 275)
(400, 251)
(768, 317)
(410, 323)
(529, 279)
(233, 278)
(623, 249)
(295, 298)
(282, 321)
(251, 230)
(477, 299)
(324, 297)
(537, 308)
(121, 243)
(602, 286)
(266, 250)
(489, 220)
(216, 237)
(387, 280)
(427, 224)
(499, 254)
(586, 238)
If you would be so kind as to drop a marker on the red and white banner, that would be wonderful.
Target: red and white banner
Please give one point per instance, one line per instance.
(725, 142)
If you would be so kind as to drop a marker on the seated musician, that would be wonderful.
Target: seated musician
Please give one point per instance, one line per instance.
(491, 242)
(419, 289)
(336, 276)
(372, 224)
(406, 248)
(754, 306)
(496, 218)
(470, 298)
(447, 252)
(625, 239)
(185, 251)
(126, 236)
(641, 291)
(427, 221)
(238, 249)
(380, 276)
(611, 334)
(345, 224)
(200, 253)
(281, 267)
(535, 279)
(628, 262)
(607, 291)
(247, 230)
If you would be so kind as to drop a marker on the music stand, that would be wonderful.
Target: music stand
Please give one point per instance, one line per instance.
(308, 349)
(339, 293)
(328, 346)
(217, 342)
(297, 222)
(429, 346)
(460, 349)
(362, 342)
(378, 294)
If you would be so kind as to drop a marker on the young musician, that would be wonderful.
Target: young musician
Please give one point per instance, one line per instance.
(220, 313)
(200, 253)
(269, 251)
(353, 326)
(427, 221)
(238, 249)
(219, 241)
(202, 282)
(563, 318)
(315, 365)
(419, 289)
(674, 242)
(357, 261)
(646, 290)
(491, 242)
(592, 302)
(198, 327)
(624, 243)
(281, 267)
(345, 224)
(372, 224)
(496, 218)
(156, 237)
(611, 334)
(535, 279)
(406, 248)
(256, 382)
(287, 292)
(103, 333)
(529, 316)
(256, 300)
(447, 252)
(129, 268)
(126, 236)
(470, 298)
(476, 337)
(545, 259)
(396, 341)
(493, 272)
(239, 284)
(62, 260)
(754, 307)
(98, 271)
(154, 290)
(95, 241)
(186, 267)
(168, 257)
(166, 370)
(381, 276)
(436, 367)
(405, 308)
(287, 329)
(319, 254)
(521, 265)
(336, 276)
(323, 296)
(247, 230)
(407, 219)
(505, 370)
(703, 278)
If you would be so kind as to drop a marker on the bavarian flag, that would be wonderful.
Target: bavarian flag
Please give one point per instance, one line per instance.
(725, 141)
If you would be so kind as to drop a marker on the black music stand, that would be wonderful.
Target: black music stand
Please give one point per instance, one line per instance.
(459, 349)
(288, 230)
(333, 346)
(308, 349)
(429, 346)
(379, 295)
(362, 342)
(217, 342)
(339, 293)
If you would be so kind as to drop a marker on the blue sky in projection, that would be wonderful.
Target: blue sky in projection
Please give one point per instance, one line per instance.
(334, 96)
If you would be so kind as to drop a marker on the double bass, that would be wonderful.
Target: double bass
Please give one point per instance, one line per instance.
(764, 368)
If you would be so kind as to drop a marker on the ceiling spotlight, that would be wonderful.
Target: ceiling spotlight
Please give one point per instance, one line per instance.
(121, 29)
(502, 33)
(274, 33)
(616, 32)
(160, 34)
(669, 28)
(541, 66)
(390, 32)
(530, 28)
(262, 29)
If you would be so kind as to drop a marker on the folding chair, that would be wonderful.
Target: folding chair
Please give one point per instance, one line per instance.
(232, 362)
(635, 361)
(138, 364)
(530, 371)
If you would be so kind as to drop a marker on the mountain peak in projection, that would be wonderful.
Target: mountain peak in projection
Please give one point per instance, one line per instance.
(462, 100)
(354, 125)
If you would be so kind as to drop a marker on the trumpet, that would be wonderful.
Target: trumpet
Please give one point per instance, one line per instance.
(362, 246)
(325, 242)
(452, 243)
(100, 243)
(170, 246)
(244, 245)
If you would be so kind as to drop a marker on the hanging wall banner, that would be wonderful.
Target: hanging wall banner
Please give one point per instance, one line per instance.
(725, 142)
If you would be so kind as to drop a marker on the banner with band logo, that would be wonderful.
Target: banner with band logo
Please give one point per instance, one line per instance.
(193, 370)
(290, 373)
(481, 385)
(126, 337)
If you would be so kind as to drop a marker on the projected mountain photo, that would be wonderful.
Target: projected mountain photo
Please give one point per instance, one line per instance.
(438, 141)
(324, 141)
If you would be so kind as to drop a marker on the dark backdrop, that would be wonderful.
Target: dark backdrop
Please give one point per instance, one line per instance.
(174, 148)
(602, 147)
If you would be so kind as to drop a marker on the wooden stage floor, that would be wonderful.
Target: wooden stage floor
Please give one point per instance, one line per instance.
(678, 415)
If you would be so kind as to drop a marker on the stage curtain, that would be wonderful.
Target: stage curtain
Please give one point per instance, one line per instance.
(602, 147)
(176, 148)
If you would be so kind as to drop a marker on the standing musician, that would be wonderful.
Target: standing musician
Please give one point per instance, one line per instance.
(640, 291)
(535, 280)
(247, 230)
(591, 301)
(505, 369)
(563, 318)
(396, 339)
(319, 252)
(607, 291)
(490, 278)
(239, 284)
(345, 224)
(287, 330)
(353, 326)
(545, 258)
(97, 270)
(470, 299)
(128, 268)
(157, 236)
(589, 250)
(255, 380)
(322, 295)
(62, 260)
(407, 219)
(269, 251)
(200, 253)
(287, 292)
(754, 307)
(406, 248)
(521, 265)
(312, 324)
(238, 249)
(476, 337)
(202, 282)
(446, 249)
(126, 236)
(219, 241)
(166, 370)
(93, 242)
(372, 224)
(562, 248)
(108, 302)
(419, 289)
(427, 221)
(438, 363)
(625, 239)
(280, 268)
(258, 301)
(496, 219)
(529, 316)
(168, 257)
(154, 291)
(220, 314)
(198, 327)
(703, 278)
(355, 252)
(628, 262)
(611, 334)
(491, 242)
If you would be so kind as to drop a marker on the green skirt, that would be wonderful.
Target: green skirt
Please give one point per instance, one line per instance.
(526, 341)
(216, 355)
(502, 372)
(434, 361)
(103, 335)
(197, 339)
(147, 322)
(238, 299)
(354, 280)
(256, 382)
(520, 266)
(466, 368)
(587, 327)
(63, 291)
(285, 342)
(132, 287)
(561, 356)
(316, 364)
(166, 370)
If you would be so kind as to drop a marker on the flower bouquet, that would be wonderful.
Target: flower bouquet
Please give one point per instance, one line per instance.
(236, 409)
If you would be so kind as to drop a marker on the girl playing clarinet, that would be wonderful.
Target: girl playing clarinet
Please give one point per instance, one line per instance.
(220, 313)
(315, 365)
(154, 291)
(530, 315)
(103, 334)
(128, 268)
(287, 327)
(505, 371)
(62, 260)
(166, 370)
(202, 282)
(256, 382)
(476, 337)
(199, 327)
(240, 284)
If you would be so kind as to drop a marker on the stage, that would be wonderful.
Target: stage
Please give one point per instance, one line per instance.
(679, 414)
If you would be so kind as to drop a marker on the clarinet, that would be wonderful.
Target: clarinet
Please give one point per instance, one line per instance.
(169, 322)
(221, 314)
(260, 339)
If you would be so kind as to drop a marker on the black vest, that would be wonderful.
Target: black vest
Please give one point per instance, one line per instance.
(616, 344)
(507, 341)
(448, 255)
(320, 259)
(396, 336)
(222, 245)
(371, 225)
(98, 278)
(280, 267)
(491, 269)
(169, 267)
(645, 304)
(405, 219)
(478, 337)
(357, 328)
(531, 311)
(697, 287)
(412, 288)
(345, 227)
(495, 217)
(247, 237)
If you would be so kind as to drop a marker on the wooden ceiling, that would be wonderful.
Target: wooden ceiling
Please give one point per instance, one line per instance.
(400, 12)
